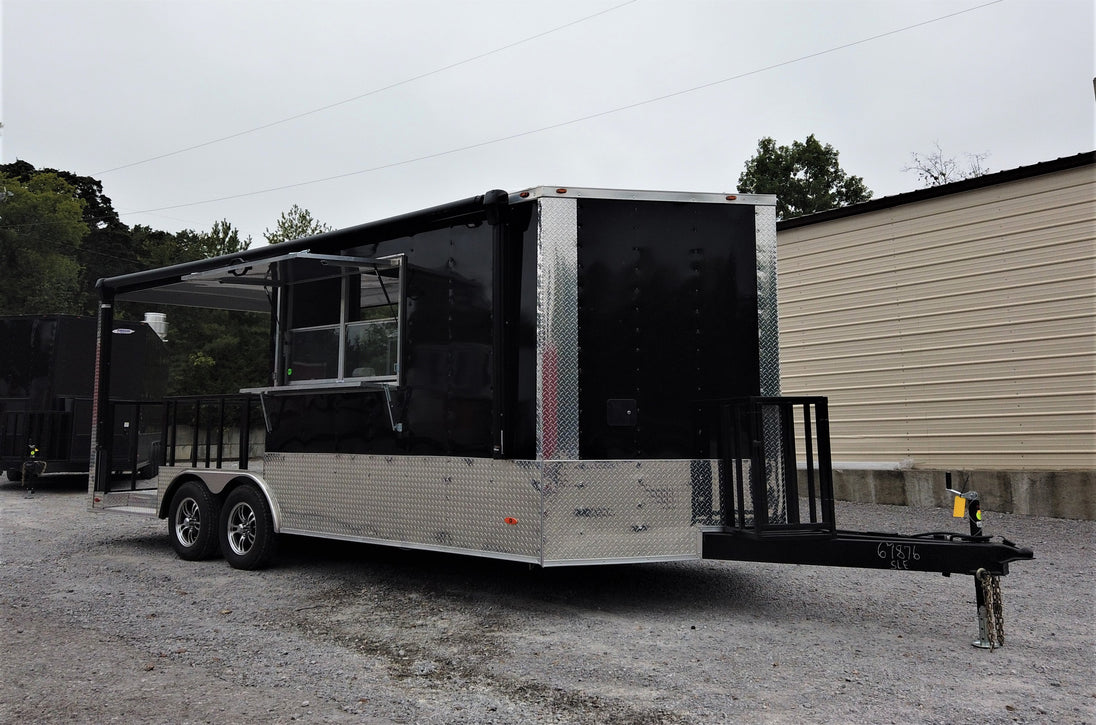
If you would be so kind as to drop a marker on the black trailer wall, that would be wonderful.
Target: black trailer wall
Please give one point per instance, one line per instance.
(652, 299)
(47, 367)
(47, 358)
(444, 404)
(17, 354)
(667, 316)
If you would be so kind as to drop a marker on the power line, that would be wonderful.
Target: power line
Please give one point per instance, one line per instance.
(80, 248)
(366, 94)
(580, 119)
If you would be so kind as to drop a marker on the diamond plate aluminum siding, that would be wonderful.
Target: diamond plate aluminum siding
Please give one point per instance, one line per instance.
(557, 329)
(558, 512)
(768, 326)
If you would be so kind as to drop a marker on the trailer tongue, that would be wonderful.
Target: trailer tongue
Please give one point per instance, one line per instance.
(942, 552)
(760, 513)
(557, 376)
(774, 457)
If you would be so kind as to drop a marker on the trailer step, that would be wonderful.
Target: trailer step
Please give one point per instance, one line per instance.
(128, 502)
(142, 510)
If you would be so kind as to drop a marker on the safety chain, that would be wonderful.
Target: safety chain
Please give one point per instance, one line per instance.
(995, 616)
(998, 609)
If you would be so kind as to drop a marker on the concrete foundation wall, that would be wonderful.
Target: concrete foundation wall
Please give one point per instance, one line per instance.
(1061, 494)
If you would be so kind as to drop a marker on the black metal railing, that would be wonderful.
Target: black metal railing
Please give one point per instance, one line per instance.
(209, 431)
(137, 451)
(48, 430)
(773, 454)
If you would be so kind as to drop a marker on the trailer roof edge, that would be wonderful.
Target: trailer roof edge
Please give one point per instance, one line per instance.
(1086, 158)
(548, 192)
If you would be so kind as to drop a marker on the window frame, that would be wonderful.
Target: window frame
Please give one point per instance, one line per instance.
(364, 268)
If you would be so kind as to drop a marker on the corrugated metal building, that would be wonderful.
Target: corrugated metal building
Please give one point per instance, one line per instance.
(953, 329)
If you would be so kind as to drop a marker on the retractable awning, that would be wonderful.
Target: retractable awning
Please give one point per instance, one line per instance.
(166, 285)
(245, 285)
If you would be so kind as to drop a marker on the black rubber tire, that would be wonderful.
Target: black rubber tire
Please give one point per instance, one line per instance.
(192, 522)
(246, 530)
(14, 474)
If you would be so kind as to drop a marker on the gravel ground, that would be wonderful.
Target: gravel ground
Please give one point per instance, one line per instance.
(102, 623)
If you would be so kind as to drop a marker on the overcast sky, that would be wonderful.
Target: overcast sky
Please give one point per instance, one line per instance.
(438, 100)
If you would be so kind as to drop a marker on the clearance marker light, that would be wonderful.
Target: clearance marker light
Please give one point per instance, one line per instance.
(731, 197)
(510, 520)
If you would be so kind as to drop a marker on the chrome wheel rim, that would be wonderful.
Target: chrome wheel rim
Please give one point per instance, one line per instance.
(188, 522)
(241, 529)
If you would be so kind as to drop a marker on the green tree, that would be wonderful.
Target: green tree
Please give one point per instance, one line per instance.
(295, 224)
(223, 238)
(59, 234)
(806, 177)
(216, 351)
(41, 229)
(209, 351)
(155, 248)
(107, 249)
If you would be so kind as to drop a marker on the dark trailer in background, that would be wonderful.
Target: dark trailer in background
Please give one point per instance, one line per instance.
(47, 369)
(556, 376)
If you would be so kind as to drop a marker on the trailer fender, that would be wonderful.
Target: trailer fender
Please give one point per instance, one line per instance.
(220, 482)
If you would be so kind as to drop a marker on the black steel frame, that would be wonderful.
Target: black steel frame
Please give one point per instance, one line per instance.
(208, 416)
(49, 430)
(136, 428)
(749, 455)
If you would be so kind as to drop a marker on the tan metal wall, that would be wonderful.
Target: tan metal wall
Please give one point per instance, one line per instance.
(955, 332)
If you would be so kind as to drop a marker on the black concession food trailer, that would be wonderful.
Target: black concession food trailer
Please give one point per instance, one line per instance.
(558, 376)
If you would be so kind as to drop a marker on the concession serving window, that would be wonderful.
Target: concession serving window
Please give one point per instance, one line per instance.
(343, 320)
(339, 318)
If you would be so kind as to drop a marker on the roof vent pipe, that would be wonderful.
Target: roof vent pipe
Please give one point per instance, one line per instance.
(158, 322)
